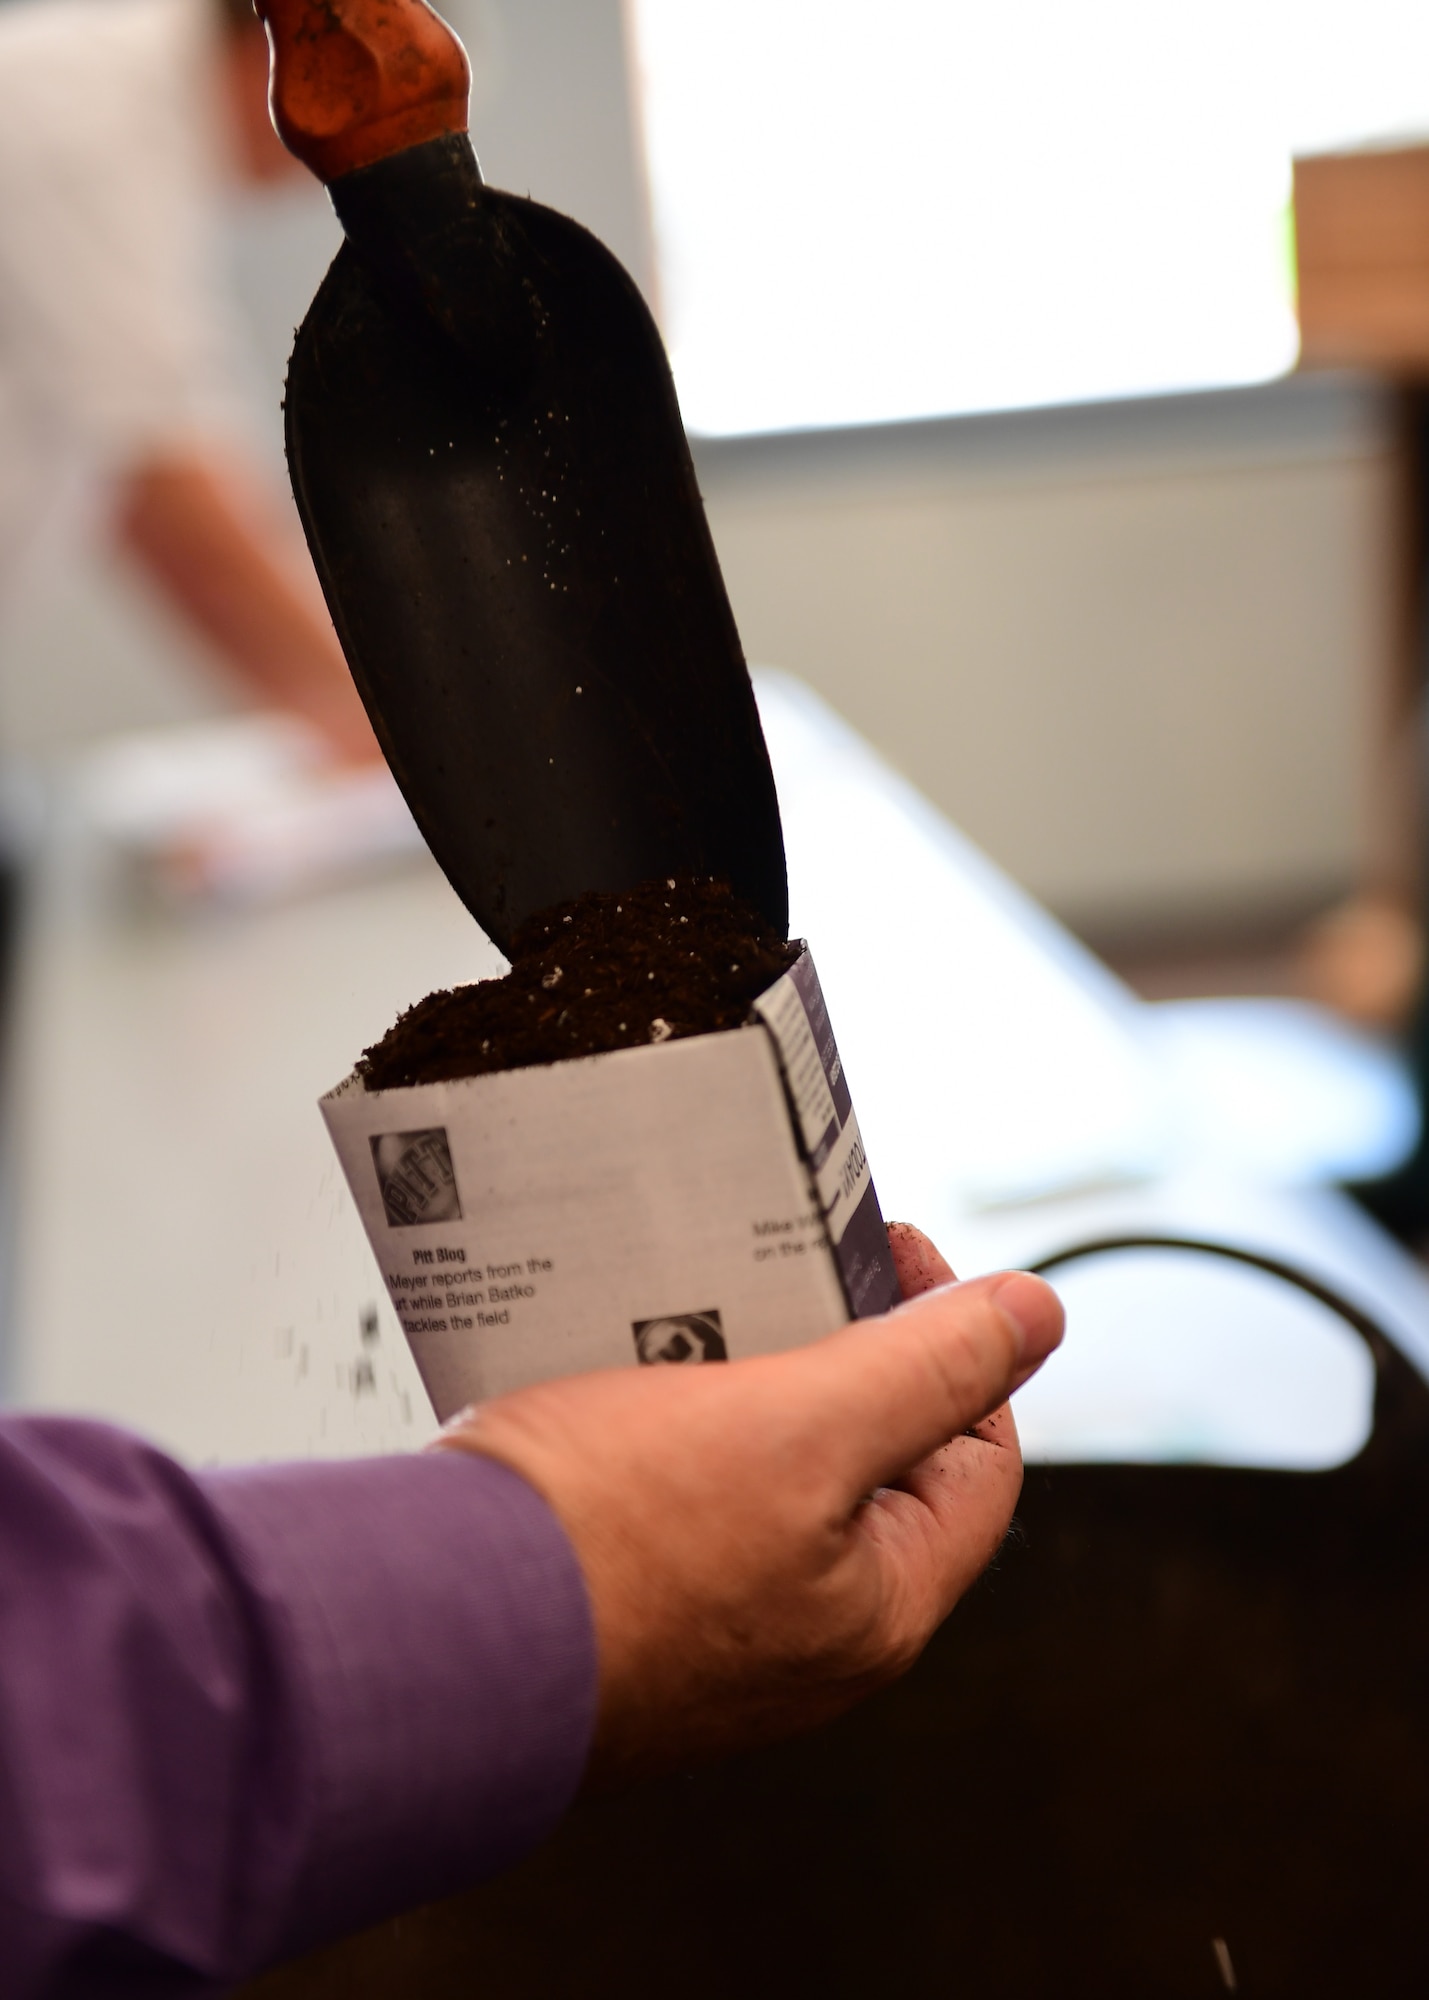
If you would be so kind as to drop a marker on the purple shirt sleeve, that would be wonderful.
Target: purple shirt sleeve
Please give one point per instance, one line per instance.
(242, 1712)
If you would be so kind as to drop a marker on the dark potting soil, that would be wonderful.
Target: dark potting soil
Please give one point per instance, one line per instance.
(673, 957)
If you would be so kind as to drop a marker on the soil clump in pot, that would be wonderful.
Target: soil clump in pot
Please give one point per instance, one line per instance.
(672, 957)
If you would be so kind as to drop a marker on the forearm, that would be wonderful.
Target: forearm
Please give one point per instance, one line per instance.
(225, 563)
(242, 1713)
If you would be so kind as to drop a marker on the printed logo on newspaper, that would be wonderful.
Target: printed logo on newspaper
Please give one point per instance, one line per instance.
(679, 1338)
(415, 1177)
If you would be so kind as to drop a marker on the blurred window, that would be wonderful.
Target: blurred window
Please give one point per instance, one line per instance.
(866, 213)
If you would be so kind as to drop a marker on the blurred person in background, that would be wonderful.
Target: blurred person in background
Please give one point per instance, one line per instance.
(123, 125)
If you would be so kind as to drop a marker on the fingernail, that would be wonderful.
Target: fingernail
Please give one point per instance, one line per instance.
(458, 1422)
(1035, 1312)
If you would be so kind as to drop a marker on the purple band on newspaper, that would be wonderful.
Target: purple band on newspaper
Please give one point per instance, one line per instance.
(794, 1012)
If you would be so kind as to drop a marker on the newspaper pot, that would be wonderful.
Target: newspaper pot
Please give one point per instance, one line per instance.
(690, 1201)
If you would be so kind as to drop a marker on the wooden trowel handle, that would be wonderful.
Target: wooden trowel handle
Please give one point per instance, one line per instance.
(354, 81)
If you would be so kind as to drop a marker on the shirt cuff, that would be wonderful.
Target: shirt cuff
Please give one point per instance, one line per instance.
(436, 1629)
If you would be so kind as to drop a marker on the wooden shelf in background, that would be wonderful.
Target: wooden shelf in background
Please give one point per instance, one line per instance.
(1362, 247)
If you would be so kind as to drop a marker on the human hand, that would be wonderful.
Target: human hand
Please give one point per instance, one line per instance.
(766, 1541)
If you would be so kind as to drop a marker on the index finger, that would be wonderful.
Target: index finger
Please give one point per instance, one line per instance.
(919, 1262)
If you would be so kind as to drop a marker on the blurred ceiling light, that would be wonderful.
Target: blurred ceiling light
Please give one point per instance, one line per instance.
(865, 214)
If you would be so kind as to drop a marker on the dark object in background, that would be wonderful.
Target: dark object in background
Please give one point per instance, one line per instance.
(1399, 1202)
(673, 957)
(491, 470)
(1187, 1705)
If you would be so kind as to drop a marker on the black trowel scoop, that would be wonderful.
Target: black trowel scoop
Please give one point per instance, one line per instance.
(490, 467)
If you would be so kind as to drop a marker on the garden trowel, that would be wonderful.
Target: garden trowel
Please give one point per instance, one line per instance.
(492, 474)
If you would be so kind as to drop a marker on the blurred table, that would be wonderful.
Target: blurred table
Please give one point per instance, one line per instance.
(186, 1259)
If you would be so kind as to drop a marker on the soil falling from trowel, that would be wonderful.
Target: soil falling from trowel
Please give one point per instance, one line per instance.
(673, 957)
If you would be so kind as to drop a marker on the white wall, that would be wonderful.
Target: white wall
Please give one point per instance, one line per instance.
(1134, 651)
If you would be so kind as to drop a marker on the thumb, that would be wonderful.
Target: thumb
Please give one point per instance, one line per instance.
(895, 1389)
